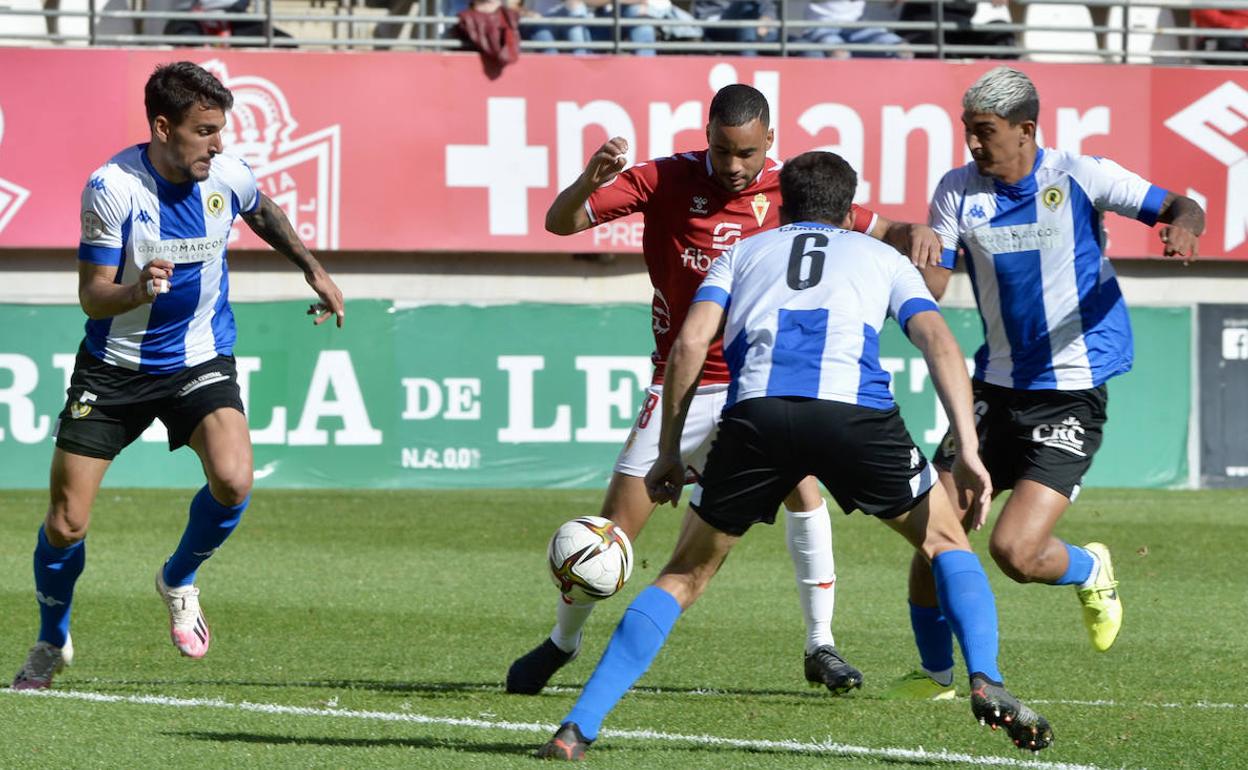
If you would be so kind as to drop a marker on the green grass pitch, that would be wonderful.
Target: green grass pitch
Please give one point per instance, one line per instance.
(373, 629)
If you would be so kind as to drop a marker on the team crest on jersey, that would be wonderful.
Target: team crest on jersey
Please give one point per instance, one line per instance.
(215, 204)
(12, 196)
(760, 206)
(1052, 198)
(78, 410)
(300, 173)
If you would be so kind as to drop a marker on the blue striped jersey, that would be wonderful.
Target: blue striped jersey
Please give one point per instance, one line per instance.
(1053, 315)
(805, 304)
(130, 216)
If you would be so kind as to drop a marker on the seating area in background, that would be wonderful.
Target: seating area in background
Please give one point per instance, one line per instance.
(1172, 31)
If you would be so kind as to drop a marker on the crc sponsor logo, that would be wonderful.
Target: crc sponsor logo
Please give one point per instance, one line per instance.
(12, 196)
(1067, 435)
(300, 173)
(1211, 123)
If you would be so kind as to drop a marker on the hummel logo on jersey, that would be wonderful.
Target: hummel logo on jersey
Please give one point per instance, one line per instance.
(914, 457)
(48, 601)
(1067, 436)
(144, 217)
(977, 212)
(96, 184)
(699, 205)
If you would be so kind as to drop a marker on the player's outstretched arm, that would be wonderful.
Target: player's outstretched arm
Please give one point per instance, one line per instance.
(269, 222)
(1184, 222)
(930, 334)
(102, 297)
(567, 214)
(919, 243)
(680, 381)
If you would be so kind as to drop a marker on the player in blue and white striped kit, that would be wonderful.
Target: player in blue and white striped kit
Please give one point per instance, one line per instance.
(159, 343)
(801, 308)
(1027, 221)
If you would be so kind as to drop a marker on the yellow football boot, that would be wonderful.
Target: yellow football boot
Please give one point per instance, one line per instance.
(1102, 609)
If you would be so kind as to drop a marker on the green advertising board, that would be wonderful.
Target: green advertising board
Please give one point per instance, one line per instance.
(523, 395)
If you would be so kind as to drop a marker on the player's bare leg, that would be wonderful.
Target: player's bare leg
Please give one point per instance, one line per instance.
(629, 507)
(808, 531)
(60, 556)
(223, 444)
(934, 528)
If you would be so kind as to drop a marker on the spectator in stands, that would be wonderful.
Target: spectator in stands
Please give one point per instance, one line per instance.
(220, 28)
(1222, 19)
(492, 29)
(731, 10)
(956, 28)
(561, 9)
(632, 9)
(832, 15)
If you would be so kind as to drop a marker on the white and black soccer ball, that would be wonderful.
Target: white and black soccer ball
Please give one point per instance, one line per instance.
(590, 558)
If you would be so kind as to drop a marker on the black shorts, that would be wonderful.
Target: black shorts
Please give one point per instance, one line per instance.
(1047, 436)
(766, 445)
(107, 407)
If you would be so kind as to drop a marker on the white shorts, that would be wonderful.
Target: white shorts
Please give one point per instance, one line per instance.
(642, 447)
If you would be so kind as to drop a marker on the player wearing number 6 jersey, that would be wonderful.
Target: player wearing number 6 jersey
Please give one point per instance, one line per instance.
(800, 309)
(153, 281)
(1027, 222)
(696, 206)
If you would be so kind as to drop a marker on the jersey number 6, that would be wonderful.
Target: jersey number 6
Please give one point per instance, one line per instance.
(807, 246)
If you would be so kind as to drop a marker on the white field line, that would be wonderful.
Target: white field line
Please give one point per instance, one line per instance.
(797, 747)
(711, 692)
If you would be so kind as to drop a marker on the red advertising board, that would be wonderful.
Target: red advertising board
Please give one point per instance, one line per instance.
(407, 151)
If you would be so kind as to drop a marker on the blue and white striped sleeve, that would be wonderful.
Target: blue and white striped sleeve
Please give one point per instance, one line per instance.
(717, 286)
(1113, 188)
(105, 219)
(242, 181)
(943, 215)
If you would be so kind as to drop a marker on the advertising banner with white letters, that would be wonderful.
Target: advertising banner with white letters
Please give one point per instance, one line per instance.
(416, 152)
(535, 395)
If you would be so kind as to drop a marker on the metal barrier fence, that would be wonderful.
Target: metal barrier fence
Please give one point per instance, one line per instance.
(1129, 31)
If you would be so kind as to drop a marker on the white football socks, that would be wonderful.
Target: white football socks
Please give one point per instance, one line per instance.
(570, 617)
(809, 535)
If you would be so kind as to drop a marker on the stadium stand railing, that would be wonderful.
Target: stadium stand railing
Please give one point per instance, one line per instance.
(1056, 30)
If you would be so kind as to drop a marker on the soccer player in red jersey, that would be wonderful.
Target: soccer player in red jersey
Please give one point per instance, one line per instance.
(696, 205)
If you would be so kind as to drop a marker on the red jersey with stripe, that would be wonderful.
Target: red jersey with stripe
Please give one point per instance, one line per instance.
(690, 220)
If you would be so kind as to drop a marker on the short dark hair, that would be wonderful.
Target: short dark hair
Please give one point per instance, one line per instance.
(738, 104)
(175, 88)
(817, 187)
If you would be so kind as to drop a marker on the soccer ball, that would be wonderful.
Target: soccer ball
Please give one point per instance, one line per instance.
(590, 558)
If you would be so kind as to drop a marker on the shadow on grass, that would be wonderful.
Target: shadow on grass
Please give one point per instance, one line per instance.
(514, 748)
(441, 688)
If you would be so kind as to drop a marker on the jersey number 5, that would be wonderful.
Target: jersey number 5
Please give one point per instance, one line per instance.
(807, 257)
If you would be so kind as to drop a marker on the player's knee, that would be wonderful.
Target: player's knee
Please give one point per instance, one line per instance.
(63, 525)
(1016, 560)
(232, 486)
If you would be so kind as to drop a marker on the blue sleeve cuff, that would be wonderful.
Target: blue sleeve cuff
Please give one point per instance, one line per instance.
(99, 255)
(949, 258)
(1152, 205)
(912, 306)
(712, 294)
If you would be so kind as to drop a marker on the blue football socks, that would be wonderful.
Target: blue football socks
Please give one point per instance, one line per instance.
(210, 523)
(1080, 567)
(969, 606)
(56, 571)
(933, 637)
(633, 647)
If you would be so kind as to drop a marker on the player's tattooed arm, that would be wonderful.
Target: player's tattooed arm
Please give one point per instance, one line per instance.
(269, 222)
(567, 214)
(918, 242)
(1184, 223)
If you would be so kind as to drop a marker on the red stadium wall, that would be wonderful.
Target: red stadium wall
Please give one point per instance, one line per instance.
(421, 152)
